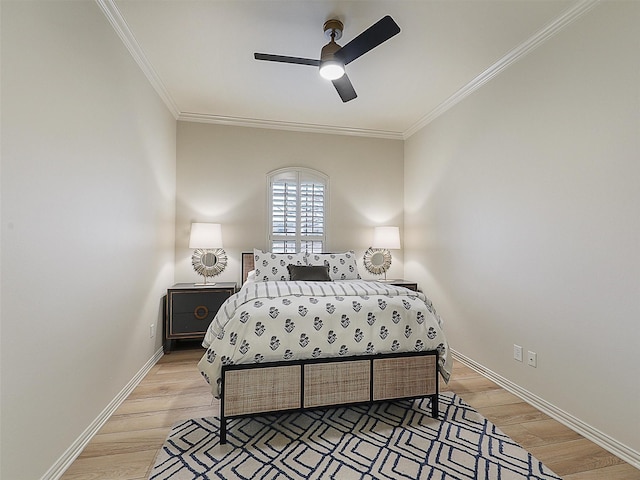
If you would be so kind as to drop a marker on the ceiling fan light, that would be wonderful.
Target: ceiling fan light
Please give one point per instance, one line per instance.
(331, 70)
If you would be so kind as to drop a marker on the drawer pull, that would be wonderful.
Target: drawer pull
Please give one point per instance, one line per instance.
(201, 312)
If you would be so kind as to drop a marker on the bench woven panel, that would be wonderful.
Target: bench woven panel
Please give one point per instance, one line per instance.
(336, 383)
(262, 390)
(404, 377)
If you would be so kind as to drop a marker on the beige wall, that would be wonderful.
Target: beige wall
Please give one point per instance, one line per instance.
(519, 207)
(521, 220)
(88, 203)
(221, 178)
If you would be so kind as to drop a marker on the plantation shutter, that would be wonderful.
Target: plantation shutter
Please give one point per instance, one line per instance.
(298, 209)
(311, 216)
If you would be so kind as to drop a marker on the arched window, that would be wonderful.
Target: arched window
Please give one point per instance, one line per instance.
(298, 210)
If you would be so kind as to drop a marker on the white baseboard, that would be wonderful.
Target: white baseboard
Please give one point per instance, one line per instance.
(620, 450)
(67, 458)
(596, 436)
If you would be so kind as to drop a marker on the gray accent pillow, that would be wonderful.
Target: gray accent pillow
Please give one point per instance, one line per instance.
(319, 273)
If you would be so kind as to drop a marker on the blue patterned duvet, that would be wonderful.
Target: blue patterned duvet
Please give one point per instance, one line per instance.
(275, 321)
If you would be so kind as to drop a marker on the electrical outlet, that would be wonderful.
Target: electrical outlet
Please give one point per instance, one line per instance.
(517, 352)
(532, 359)
(152, 331)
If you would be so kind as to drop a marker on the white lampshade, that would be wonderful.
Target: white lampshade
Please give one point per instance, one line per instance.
(205, 235)
(386, 237)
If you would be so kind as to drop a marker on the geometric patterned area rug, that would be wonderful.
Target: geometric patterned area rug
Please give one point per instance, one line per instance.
(396, 440)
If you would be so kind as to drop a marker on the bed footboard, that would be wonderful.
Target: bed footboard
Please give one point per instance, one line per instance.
(276, 387)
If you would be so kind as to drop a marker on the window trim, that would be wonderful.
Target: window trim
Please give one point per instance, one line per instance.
(300, 174)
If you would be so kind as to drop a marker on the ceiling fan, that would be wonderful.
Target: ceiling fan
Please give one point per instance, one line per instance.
(333, 57)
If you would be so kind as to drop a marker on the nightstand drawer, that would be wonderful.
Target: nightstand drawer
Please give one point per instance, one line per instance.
(192, 312)
(191, 308)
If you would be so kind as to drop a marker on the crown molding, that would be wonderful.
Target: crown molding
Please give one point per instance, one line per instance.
(515, 54)
(119, 24)
(111, 11)
(292, 126)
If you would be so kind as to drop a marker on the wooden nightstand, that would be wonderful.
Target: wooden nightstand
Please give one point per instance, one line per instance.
(190, 309)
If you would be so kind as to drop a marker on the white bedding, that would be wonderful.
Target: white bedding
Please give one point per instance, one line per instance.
(274, 321)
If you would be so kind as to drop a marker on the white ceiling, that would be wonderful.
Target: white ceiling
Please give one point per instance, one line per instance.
(199, 57)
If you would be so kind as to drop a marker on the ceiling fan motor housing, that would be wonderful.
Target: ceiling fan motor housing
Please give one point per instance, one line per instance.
(330, 67)
(328, 50)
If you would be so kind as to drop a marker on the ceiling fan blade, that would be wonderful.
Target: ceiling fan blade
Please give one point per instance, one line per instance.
(280, 58)
(344, 88)
(379, 32)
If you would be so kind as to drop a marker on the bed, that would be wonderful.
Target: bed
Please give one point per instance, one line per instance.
(305, 331)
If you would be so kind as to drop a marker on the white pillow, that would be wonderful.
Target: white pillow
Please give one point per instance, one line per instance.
(251, 276)
(273, 266)
(342, 266)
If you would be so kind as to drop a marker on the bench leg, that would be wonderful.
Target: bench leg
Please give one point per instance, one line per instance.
(434, 406)
(223, 431)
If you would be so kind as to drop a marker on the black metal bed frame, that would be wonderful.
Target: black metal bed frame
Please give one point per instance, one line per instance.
(302, 363)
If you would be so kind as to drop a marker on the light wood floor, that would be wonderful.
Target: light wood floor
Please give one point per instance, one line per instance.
(124, 449)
